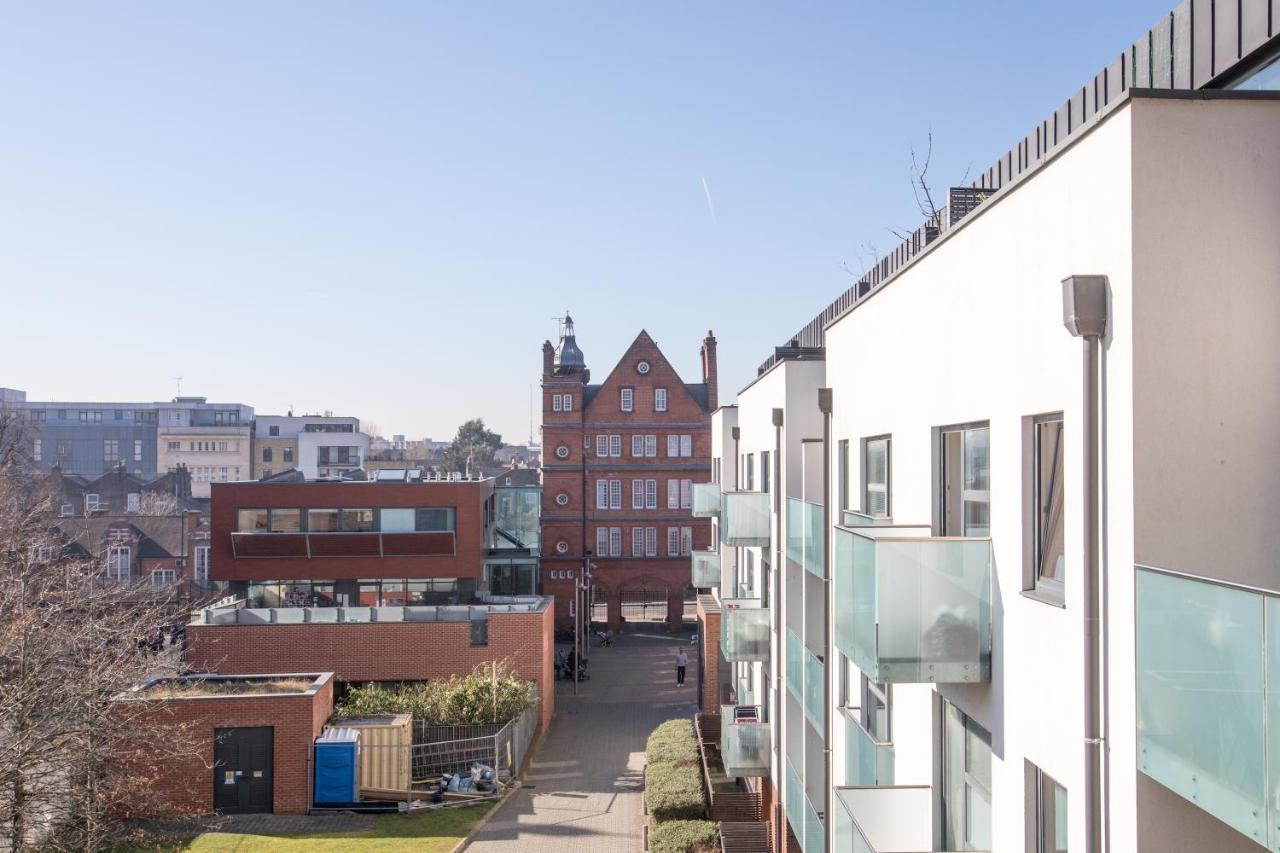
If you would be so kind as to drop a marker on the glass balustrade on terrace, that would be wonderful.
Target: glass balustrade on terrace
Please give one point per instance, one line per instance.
(806, 534)
(854, 518)
(867, 761)
(744, 744)
(911, 607)
(814, 837)
(706, 569)
(794, 799)
(814, 690)
(795, 530)
(883, 819)
(795, 666)
(706, 500)
(744, 519)
(744, 630)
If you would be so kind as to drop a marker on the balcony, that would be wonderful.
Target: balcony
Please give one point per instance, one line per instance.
(885, 819)
(744, 744)
(795, 653)
(806, 534)
(744, 630)
(853, 518)
(814, 836)
(371, 543)
(744, 519)
(706, 500)
(867, 761)
(913, 608)
(814, 691)
(706, 569)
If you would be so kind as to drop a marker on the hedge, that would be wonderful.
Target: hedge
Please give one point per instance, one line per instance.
(673, 792)
(684, 836)
(672, 741)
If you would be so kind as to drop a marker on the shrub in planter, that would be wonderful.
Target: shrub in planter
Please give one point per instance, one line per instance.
(684, 836)
(673, 792)
(674, 740)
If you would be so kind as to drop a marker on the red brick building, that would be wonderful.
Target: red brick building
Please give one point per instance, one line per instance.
(619, 461)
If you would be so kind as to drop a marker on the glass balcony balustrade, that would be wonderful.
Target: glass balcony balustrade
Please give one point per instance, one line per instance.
(744, 519)
(706, 569)
(794, 799)
(706, 500)
(911, 607)
(795, 531)
(806, 534)
(814, 837)
(883, 819)
(744, 744)
(854, 518)
(866, 760)
(744, 630)
(745, 693)
(815, 690)
(795, 666)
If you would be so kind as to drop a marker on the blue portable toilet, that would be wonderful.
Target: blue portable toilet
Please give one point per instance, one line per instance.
(337, 760)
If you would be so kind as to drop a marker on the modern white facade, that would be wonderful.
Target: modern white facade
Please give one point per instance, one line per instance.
(950, 538)
(320, 446)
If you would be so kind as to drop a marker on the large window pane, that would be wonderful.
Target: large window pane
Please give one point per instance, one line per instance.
(286, 520)
(357, 520)
(251, 520)
(397, 520)
(322, 520)
(1201, 696)
(1050, 546)
(434, 519)
(876, 467)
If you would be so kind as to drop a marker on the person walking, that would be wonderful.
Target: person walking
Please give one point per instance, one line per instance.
(682, 661)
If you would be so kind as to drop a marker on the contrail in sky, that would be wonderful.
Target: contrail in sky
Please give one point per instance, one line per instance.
(710, 204)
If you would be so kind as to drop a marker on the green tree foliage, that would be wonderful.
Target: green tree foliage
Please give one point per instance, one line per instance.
(461, 700)
(473, 440)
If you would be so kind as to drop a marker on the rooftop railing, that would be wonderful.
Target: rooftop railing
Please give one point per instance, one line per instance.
(911, 607)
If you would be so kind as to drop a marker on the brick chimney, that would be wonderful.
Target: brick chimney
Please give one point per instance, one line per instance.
(709, 371)
(548, 358)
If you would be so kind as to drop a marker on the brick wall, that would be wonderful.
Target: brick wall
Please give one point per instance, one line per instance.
(389, 651)
(709, 638)
(185, 785)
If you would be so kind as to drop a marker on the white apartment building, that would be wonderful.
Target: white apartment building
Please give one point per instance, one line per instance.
(212, 440)
(320, 446)
(1028, 598)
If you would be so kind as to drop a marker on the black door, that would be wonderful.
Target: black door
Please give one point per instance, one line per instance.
(242, 770)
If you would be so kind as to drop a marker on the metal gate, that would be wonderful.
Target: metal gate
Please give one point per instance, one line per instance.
(645, 604)
(242, 770)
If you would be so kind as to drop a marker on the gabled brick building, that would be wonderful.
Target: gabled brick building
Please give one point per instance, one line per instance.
(619, 461)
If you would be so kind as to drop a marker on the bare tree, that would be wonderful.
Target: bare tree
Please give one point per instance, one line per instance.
(157, 503)
(70, 643)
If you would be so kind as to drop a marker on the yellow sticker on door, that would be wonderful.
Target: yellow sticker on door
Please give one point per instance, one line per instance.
(229, 778)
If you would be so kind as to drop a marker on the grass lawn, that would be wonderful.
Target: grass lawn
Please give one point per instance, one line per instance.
(430, 832)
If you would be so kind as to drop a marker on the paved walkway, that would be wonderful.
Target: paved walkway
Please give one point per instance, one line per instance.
(584, 787)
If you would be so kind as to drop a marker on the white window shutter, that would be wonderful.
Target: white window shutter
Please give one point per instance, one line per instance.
(637, 494)
(673, 494)
(686, 445)
(602, 494)
(673, 445)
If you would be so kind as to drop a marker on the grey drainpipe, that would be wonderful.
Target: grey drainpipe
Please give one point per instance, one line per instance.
(1084, 313)
(824, 405)
(778, 615)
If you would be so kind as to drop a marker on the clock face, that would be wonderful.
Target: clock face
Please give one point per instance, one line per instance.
(562, 547)
(562, 499)
(562, 452)
(642, 368)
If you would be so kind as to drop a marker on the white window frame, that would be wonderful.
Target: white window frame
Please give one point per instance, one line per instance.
(686, 494)
(200, 570)
(615, 494)
(602, 446)
(673, 445)
(637, 494)
(869, 488)
(133, 501)
(602, 494)
(119, 562)
(686, 445)
(615, 541)
(92, 502)
(686, 541)
(637, 446)
(673, 494)
(651, 541)
(568, 402)
(659, 399)
(637, 541)
(556, 403)
(67, 510)
(137, 450)
(602, 541)
(627, 399)
(650, 494)
(651, 446)
(37, 451)
(673, 541)
(615, 446)
(166, 577)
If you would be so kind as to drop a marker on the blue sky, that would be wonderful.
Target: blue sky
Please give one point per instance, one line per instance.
(378, 208)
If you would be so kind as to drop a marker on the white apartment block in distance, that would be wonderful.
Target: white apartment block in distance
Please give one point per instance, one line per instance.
(320, 446)
(1009, 583)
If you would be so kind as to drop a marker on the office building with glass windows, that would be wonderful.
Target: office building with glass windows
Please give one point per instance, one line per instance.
(1004, 509)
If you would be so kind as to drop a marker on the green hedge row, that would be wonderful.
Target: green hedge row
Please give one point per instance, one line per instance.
(684, 836)
(673, 788)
